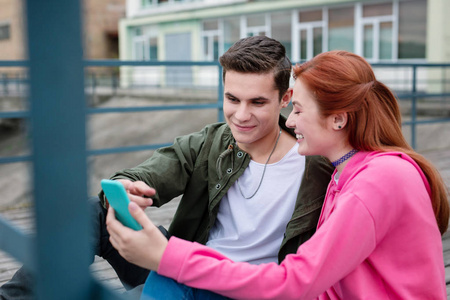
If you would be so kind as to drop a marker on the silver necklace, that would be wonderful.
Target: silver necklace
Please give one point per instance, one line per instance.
(264, 171)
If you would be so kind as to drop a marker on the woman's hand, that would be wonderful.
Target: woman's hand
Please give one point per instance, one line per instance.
(144, 247)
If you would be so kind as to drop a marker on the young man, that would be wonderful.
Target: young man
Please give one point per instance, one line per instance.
(246, 191)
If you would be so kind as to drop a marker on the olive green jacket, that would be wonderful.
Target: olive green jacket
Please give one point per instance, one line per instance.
(202, 167)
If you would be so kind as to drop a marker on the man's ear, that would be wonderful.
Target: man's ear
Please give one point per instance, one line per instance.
(339, 121)
(286, 98)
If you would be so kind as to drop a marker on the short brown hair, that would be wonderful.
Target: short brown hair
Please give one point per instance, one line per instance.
(259, 54)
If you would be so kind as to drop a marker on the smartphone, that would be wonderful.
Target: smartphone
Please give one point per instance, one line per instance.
(118, 199)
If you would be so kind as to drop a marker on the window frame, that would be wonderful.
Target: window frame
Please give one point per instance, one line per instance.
(246, 31)
(6, 27)
(209, 35)
(309, 27)
(375, 22)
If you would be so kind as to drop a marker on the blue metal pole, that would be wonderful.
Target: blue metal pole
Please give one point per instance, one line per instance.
(414, 107)
(59, 149)
(5, 84)
(220, 116)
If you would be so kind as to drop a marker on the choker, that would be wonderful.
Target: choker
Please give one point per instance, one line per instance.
(344, 158)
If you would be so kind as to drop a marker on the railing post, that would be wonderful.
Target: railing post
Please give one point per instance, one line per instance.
(5, 83)
(220, 117)
(114, 82)
(94, 83)
(58, 109)
(414, 107)
(18, 82)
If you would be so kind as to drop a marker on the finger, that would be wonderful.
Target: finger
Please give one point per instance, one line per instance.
(110, 216)
(142, 188)
(114, 242)
(127, 184)
(114, 226)
(110, 221)
(139, 215)
(141, 201)
(138, 188)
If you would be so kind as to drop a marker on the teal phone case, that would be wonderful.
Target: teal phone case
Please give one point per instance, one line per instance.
(118, 199)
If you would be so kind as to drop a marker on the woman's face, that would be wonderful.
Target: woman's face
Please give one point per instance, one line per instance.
(313, 132)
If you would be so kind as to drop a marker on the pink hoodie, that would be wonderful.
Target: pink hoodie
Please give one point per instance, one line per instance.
(377, 238)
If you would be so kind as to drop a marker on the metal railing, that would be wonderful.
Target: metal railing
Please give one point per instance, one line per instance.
(414, 94)
(407, 92)
(58, 116)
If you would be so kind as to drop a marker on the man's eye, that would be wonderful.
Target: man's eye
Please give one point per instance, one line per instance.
(259, 102)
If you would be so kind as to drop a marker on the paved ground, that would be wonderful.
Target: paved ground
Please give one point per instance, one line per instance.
(23, 218)
(111, 130)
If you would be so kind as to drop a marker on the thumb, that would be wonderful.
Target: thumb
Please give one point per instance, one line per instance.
(140, 216)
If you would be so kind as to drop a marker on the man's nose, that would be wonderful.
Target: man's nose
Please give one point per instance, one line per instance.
(243, 113)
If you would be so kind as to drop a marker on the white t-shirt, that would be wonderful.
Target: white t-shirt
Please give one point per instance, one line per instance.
(252, 230)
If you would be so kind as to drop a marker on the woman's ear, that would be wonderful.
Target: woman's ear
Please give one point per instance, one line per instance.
(286, 98)
(339, 121)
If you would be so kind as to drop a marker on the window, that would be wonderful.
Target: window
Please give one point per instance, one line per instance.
(281, 29)
(147, 3)
(310, 16)
(317, 40)
(231, 32)
(153, 48)
(139, 49)
(211, 39)
(211, 47)
(375, 10)
(412, 29)
(5, 31)
(145, 44)
(368, 41)
(377, 28)
(385, 40)
(253, 25)
(309, 38)
(341, 29)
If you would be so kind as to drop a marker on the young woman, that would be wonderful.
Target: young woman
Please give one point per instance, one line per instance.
(379, 233)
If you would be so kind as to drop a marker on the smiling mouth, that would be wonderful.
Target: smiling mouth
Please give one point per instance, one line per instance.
(244, 128)
(299, 136)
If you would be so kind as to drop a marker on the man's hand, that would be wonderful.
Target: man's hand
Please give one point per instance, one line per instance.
(144, 247)
(136, 191)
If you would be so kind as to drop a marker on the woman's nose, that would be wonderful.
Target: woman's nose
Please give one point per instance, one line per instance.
(290, 123)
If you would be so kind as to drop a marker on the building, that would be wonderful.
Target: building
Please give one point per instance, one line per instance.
(392, 30)
(100, 41)
(12, 30)
(100, 21)
(201, 30)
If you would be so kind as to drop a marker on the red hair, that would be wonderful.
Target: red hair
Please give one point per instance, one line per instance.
(345, 82)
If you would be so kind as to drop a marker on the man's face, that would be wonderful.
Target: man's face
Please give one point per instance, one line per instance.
(252, 108)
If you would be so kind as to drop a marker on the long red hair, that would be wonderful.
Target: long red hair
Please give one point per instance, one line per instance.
(345, 82)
